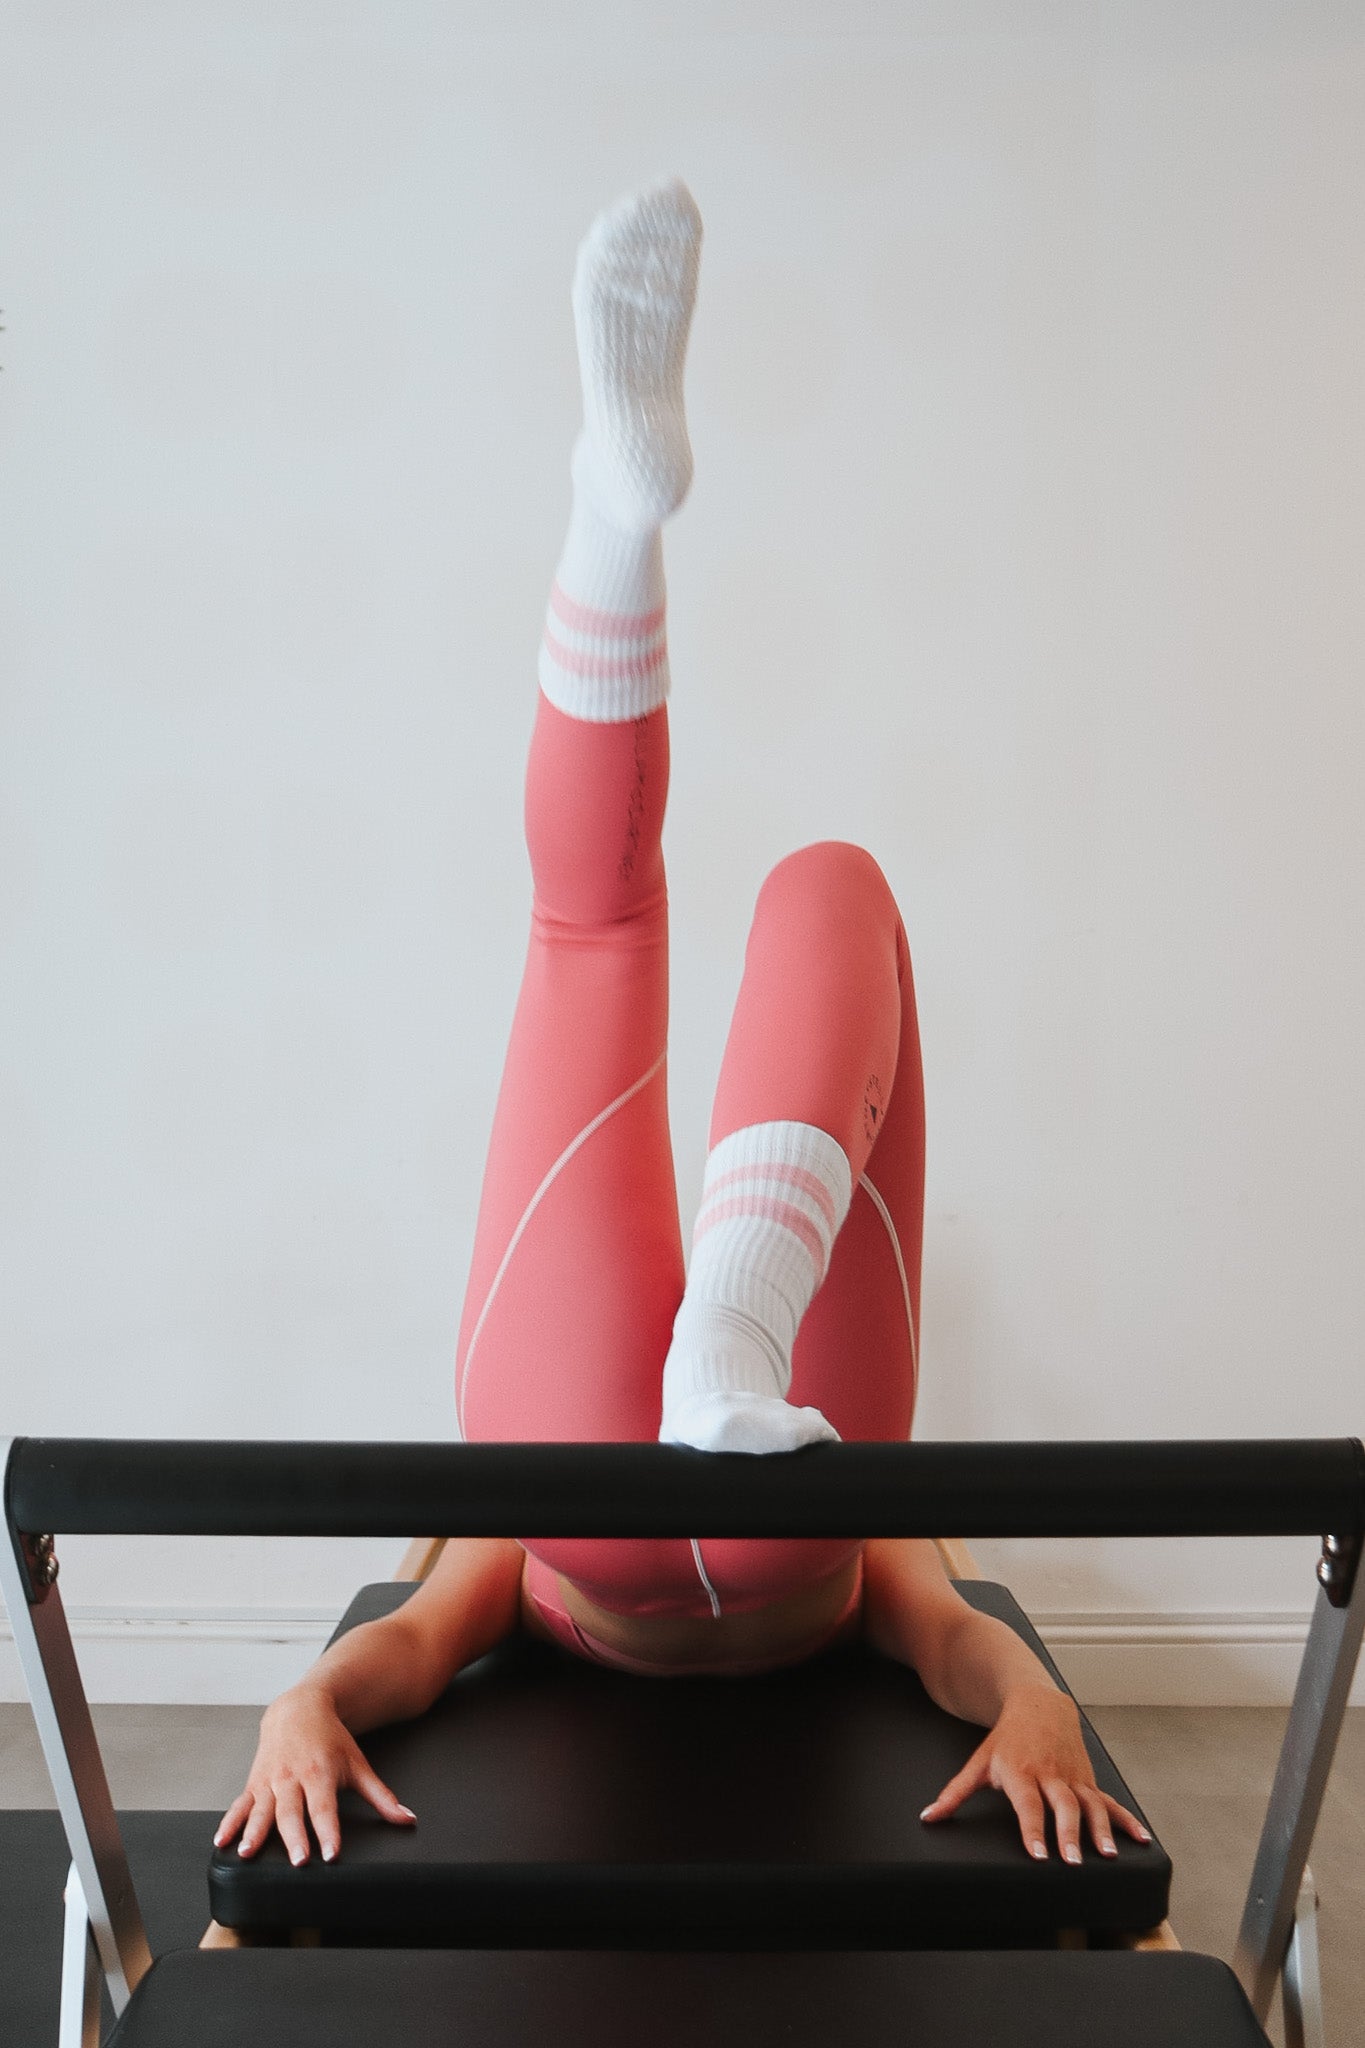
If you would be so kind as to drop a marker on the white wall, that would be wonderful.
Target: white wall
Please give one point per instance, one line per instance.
(1027, 399)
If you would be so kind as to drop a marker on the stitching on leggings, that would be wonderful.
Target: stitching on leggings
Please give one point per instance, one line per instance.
(885, 1215)
(585, 1645)
(529, 1211)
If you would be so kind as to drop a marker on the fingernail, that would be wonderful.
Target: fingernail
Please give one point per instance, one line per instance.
(296, 1857)
(218, 1841)
(926, 1811)
(1038, 1849)
(328, 1854)
(1144, 1834)
(408, 1811)
(1072, 1853)
(1108, 1849)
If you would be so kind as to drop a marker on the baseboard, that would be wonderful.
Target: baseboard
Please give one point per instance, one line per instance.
(244, 1656)
(162, 1656)
(1238, 1659)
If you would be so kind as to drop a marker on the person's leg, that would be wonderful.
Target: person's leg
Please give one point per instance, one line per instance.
(577, 1267)
(801, 1314)
(821, 1076)
(577, 1264)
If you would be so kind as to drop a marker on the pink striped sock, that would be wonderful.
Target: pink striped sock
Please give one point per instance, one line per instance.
(604, 655)
(773, 1200)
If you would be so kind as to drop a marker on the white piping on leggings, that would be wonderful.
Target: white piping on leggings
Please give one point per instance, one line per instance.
(529, 1211)
(885, 1215)
(712, 1595)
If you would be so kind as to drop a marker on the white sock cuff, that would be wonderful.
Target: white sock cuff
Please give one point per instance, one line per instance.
(604, 655)
(792, 1174)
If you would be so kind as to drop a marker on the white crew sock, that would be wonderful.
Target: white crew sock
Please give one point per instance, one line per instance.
(773, 1200)
(604, 656)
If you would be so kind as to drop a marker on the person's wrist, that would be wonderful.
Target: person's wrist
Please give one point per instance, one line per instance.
(305, 1697)
(1036, 1694)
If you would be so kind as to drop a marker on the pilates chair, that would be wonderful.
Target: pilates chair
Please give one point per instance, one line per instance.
(498, 1994)
(563, 1805)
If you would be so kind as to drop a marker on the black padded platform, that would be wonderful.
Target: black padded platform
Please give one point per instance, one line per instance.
(561, 1804)
(358, 1998)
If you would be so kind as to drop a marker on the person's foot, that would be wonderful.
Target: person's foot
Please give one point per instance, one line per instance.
(773, 1199)
(757, 1423)
(633, 293)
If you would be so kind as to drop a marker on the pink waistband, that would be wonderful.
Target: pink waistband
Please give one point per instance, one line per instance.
(542, 1588)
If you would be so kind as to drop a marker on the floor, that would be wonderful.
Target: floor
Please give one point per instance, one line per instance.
(1203, 1774)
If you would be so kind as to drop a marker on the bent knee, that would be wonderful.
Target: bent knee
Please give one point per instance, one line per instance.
(831, 875)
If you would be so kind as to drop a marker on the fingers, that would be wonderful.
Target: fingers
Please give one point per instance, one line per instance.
(372, 1787)
(290, 1821)
(232, 1820)
(294, 1801)
(973, 1775)
(259, 1822)
(1027, 1801)
(1066, 1812)
(320, 1792)
(1129, 1822)
(1071, 1805)
(1097, 1817)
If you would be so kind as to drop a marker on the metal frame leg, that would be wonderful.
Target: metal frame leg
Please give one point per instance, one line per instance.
(82, 1978)
(74, 1763)
(1310, 1740)
(1303, 2018)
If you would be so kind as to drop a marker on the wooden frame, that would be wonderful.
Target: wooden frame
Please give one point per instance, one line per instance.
(419, 1559)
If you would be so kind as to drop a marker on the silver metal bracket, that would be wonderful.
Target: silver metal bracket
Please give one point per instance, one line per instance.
(1337, 1567)
(39, 1554)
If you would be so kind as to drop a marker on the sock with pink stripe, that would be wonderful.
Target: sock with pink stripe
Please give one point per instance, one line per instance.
(604, 656)
(773, 1200)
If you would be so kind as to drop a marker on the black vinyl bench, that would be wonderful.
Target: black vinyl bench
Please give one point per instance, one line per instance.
(560, 1804)
(375, 1997)
(425, 1998)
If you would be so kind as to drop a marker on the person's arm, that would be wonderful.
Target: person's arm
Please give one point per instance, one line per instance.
(977, 1668)
(387, 1670)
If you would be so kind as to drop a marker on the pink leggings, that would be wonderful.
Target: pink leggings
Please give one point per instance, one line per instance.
(577, 1269)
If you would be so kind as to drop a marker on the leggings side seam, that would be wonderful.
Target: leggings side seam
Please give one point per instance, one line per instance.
(880, 1205)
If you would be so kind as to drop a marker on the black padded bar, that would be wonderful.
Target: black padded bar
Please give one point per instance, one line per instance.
(1267, 1487)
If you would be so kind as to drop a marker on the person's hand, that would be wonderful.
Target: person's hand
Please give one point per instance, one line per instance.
(305, 1756)
(1035, 1755)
